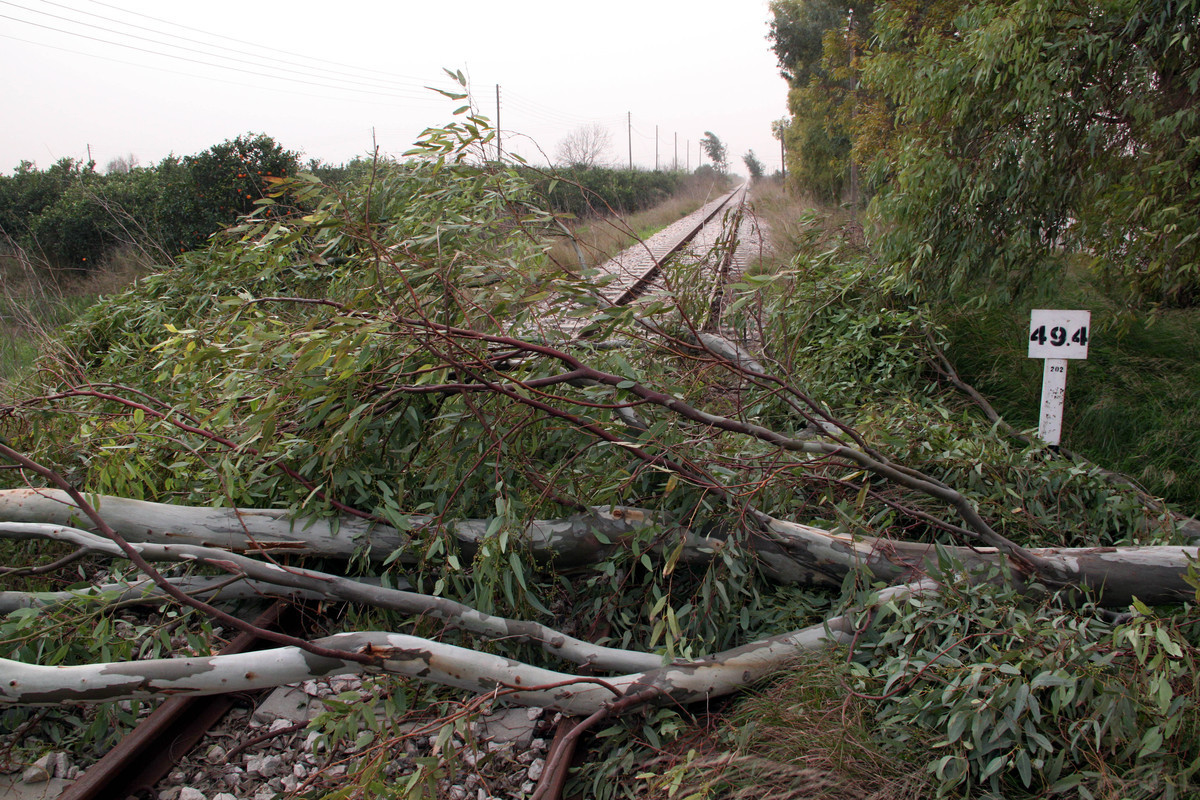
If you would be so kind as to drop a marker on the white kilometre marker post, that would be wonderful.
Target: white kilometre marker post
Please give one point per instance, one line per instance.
(1056, 336)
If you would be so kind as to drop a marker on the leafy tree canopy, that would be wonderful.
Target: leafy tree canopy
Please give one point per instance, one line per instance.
(1007, 135)
(753, 165)
(74, 216)
(716, 151)
(818, 45)
(1031, 130)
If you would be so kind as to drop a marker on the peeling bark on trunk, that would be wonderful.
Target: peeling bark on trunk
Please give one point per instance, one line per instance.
(145, 592)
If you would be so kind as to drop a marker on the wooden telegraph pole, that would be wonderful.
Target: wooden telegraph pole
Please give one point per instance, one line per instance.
(629, 123)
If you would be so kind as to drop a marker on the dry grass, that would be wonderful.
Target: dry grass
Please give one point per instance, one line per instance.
(35, 300)
(803, 737)
(599, 239)
(799, 224)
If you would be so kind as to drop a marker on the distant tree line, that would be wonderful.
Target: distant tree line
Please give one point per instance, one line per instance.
(71, 216)
(588, 191)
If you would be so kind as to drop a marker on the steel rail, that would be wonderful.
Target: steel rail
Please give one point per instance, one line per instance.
(643, 282)
(147, 753)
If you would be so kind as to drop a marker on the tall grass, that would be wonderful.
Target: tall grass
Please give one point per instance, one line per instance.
(35, 301)
(1132, 406)
(800, 737)
(795, 219)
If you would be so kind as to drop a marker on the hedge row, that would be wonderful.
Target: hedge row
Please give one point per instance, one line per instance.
(72, 215)
(587, 192)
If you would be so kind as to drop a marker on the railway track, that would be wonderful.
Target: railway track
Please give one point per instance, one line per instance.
(692, 264)
(639, 270)
(144, 756)
(704, 251)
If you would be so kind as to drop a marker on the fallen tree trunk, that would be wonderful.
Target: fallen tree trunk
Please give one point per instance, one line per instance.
(146, 592)
(415, 657)
(338, 588)
(788, 552)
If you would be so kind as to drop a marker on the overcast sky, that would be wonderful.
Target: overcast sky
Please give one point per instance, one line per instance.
(150, 78)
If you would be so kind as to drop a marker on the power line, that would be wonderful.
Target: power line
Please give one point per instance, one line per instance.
(269, 68)
(227, 81)
(196, 61)
(535, 107)
(544, 118)
(258, 45)
(270, 62)
(519, 112)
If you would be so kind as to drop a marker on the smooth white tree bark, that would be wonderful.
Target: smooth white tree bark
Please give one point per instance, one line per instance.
(786, 551)
(400, 654)
(335, 587)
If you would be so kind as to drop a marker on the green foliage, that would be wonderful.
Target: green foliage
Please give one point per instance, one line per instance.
(334, 393)
(753, 165)
(75, 217)
(90, 629)
(975, 690)
(833, 326)
(321, 358)
(1029, 130)
(357, 170)
(716, 151)
(798, 29)
(29, 191)
(203, 193)
(1031, 698)
(818, 46)
(804, 735)
(836, 330)
(91, 217)
(1133, 405)
(17, 353)
(34, 304)
(613, 772)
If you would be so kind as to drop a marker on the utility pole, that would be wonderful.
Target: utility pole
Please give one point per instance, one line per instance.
(782, 157)
(629, 122)
(656, 148)
(499, 153)
(675, 164)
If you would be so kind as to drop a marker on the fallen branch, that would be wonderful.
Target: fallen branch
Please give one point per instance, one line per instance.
(333, 587)
(146, 592)
(399, 654)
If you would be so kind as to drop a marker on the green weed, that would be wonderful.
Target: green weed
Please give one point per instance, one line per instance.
(1133, 406)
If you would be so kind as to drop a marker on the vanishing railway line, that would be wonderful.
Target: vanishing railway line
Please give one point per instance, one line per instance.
(709, 248)
(638, 271)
